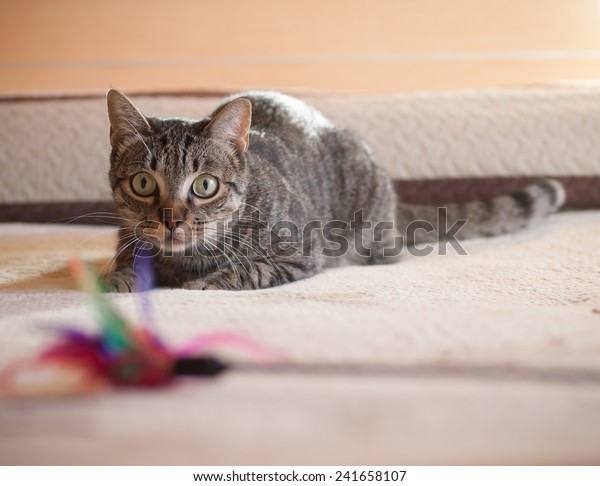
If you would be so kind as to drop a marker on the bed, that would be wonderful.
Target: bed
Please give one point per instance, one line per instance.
(487, 358)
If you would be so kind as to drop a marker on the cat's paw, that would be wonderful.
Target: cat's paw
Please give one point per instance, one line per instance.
(122, 281)
(200, 285)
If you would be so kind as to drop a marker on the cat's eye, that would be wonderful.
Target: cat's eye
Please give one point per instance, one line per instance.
(205, 186)
(143, 184)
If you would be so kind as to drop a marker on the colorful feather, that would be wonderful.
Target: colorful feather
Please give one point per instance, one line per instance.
(122, 354)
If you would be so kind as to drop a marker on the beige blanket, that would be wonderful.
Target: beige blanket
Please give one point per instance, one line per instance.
(488, 358)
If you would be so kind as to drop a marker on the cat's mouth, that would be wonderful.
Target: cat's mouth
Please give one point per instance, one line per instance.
(174, 239)
(176, 234)
(178, 238)
(174, 243)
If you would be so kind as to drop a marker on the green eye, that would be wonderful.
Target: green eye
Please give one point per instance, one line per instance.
(205, 186)
(143, 184)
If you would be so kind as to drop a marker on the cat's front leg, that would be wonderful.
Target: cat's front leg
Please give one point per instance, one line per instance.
(254, 275)
(121, 280)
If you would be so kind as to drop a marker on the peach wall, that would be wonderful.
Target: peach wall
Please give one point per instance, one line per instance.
(349, 45)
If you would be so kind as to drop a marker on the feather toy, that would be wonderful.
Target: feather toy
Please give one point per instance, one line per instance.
(121, 354)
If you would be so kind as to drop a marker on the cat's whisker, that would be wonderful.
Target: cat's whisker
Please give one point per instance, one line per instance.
(234, 252)
(204, 247)
(212, 249)
(242, 239)
(214, 245)
(128, 242)
(95, 214)
(95, 235)
(231, 264)
(267, 259)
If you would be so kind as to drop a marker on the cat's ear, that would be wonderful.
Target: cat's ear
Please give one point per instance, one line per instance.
(125, 119)
(231, 123)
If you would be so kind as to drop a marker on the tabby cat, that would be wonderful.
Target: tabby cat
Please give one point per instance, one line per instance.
(267, 191)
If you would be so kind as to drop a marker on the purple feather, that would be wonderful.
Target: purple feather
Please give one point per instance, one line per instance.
(143, 266)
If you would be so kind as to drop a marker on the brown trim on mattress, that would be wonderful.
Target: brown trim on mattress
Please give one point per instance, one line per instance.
(75, 212)
(582, 193)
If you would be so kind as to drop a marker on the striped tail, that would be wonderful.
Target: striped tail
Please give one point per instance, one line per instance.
(502, 214)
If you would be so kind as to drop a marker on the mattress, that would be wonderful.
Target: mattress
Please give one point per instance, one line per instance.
(485, 358)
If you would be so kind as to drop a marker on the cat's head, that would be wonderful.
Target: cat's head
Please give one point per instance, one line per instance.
(175, 180)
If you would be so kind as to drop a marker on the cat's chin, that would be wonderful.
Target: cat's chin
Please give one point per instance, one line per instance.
(169, 244)
(173, 246)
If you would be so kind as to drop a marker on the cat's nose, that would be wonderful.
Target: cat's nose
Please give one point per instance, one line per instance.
(173, 218)
(173, 224)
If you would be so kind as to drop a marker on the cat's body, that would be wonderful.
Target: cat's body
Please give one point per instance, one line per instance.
(266, 191)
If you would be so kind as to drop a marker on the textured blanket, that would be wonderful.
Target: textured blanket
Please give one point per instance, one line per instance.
(488, 358)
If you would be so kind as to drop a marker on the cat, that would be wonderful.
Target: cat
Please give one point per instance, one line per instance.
(267, 191)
